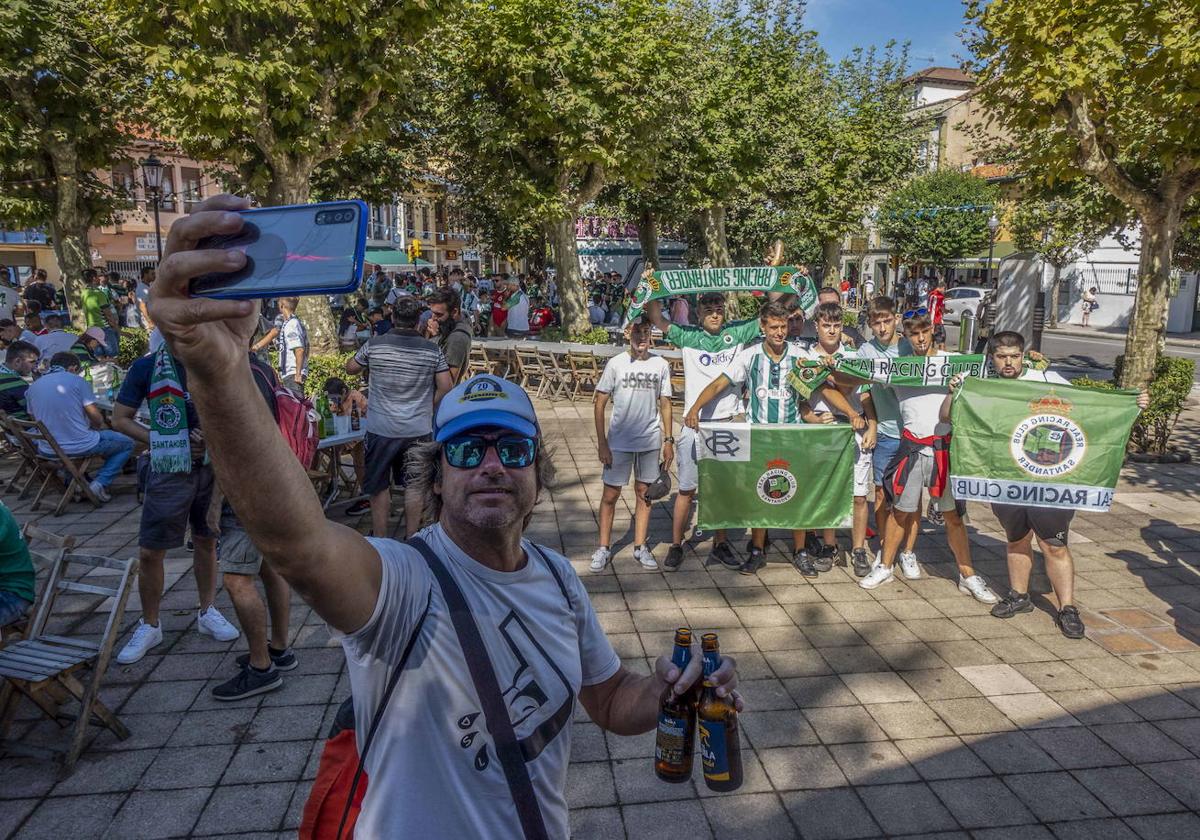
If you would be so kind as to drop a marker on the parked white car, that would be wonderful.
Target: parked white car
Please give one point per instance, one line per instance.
(961, 299)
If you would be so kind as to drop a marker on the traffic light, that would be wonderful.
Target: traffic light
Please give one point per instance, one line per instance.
(414, 250)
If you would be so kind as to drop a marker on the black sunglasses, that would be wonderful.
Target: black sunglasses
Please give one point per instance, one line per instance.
(466, 452)
(913, 313)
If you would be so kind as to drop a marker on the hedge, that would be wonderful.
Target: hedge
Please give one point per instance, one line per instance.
(323, 366)
(1169, 390)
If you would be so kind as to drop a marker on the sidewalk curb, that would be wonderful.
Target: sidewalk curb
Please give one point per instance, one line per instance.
(1188, 343)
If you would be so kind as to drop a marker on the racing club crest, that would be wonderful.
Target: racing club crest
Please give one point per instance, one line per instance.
(777, 485)
(168, 416)
(1048, 443)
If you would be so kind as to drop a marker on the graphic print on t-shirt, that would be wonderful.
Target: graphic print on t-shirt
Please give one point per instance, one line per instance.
(536, 693)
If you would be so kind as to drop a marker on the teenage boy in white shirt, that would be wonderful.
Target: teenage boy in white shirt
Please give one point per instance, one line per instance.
(639, 386)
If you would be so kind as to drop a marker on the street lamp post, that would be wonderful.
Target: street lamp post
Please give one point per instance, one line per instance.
(993, 226)
(152, 179)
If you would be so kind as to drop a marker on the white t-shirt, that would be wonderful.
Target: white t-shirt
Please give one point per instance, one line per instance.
(57, 399)
(920, 407)
(705, 356)
(635, 387)
(1048, 376)
(518, 316)
(55, 341)
(291, 335)
(156, 340)
(433, 767)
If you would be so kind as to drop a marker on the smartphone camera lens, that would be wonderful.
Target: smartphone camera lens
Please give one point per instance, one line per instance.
(334, 217)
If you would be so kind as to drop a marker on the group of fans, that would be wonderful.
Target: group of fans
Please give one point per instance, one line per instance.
(738, 371)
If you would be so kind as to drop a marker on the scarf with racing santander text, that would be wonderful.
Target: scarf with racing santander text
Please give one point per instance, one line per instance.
(914, 371)
(1038, 444)
(170, 442)
(695, 281)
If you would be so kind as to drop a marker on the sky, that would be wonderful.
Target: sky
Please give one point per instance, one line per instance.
(931, 25)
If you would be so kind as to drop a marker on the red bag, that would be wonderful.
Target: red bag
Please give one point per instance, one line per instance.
(297, 418)
(327, 800)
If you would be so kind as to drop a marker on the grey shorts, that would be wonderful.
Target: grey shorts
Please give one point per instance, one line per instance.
(171, 502)
(918, 480)
(236, 553)
(1051, 526)
(643, 465)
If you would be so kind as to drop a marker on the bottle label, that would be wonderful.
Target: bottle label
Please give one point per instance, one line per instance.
(672, 737)
(714, 750)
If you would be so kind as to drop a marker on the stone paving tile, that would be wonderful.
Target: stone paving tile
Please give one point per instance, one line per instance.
(1166, 826)
(665, 821)
(1108, 829)
(906, 809)
(942, 758)
(1127, 791)
(1140, 742)
(158, 813)
(836, 814)
(71, 816)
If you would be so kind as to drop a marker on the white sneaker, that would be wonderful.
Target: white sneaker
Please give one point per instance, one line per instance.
(101, 493)
(599, 560)
(909, 566)
(878, 576)
(977, 587)
(145, 637)
(212, 623)
(642, 554)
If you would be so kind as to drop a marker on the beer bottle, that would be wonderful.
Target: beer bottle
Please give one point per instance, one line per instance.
(720, 746)
(355, 421)
(676, 741)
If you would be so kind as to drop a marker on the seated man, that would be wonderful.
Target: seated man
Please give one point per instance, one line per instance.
(63, 400)
(16, 570)
(55, 339)
(90, 347)
(19, 361)
(343, 400)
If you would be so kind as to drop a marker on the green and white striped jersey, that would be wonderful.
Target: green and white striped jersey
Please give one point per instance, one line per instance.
(772, 400)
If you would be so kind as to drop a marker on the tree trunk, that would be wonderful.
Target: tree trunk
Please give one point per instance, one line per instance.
(831, 255)
(572, 300)
(292, 187)
(1053, 314)
(648, 238)
(1148, 324)
(69, 227)
(74, 253)
(712, 223)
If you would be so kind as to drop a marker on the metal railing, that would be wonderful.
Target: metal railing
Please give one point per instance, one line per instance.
(1107, 279)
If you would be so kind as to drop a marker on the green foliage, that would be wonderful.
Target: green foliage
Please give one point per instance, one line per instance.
(923, 222)
(1169, 391)
(596, 335)
(323, 366)
(748, 306)
(134, 344)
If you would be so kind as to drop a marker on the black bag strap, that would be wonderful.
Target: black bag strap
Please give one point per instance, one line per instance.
(508, 748)
(387, 695)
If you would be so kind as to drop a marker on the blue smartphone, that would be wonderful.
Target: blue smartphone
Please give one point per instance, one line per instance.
(304, 249)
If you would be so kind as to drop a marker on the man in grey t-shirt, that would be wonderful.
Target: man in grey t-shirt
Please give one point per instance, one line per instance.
(433, 766)
(408, 377)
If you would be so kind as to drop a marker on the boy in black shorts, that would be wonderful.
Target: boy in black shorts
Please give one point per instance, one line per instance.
(1021, 523)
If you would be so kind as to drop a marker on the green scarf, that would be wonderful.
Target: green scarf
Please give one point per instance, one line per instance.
(689, 281)
(170, 440)
(914, 371)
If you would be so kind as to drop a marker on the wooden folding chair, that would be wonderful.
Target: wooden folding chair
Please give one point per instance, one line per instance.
(74, 466)
(585, 368)
(677, 388)
(44, 666)
(502, 362)
(29, 469)
(529, 366)
(42, 562)
(477, 362)
(558, 373)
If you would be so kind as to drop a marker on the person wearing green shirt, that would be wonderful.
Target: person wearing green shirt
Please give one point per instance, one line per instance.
(98, 311)
(706, 350)
(16, 570)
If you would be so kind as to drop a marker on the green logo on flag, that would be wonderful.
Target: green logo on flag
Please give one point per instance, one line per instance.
(777, 486)
(1049, 443)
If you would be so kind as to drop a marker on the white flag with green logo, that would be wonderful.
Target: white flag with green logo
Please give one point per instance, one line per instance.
(1038, 444)
(776, 476)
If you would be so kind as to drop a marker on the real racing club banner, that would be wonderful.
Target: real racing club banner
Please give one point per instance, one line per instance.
(695, 281)
(785, 476)
(1038, 444)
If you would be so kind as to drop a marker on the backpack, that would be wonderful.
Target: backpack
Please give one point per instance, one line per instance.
(297, 419)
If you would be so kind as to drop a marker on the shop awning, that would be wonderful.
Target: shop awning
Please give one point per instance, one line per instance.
(393, 257)
(1002, 250)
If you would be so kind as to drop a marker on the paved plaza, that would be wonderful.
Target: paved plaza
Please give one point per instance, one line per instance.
(906, 710)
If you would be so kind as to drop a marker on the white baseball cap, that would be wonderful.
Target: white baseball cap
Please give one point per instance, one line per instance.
(485, 401)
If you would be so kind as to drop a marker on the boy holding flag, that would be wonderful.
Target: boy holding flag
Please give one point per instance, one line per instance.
(1021, 523)
(763, 368)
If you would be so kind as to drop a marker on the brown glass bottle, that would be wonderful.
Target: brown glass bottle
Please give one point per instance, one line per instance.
(355, 421)
(720, 745)
(675, 745)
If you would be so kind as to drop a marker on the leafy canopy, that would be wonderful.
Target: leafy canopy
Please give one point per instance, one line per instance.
(938, 217)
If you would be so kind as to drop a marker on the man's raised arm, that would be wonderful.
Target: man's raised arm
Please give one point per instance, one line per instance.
(332, 567)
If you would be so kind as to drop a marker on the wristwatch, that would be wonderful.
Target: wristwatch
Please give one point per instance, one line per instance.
(668, 440)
